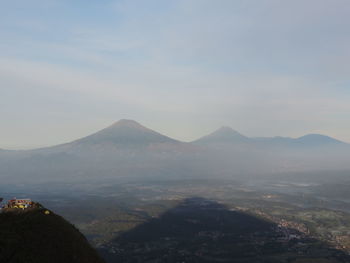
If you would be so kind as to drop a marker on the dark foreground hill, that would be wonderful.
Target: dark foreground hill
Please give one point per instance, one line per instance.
(36, 237)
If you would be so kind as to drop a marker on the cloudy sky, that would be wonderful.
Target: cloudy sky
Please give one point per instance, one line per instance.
(181, 67)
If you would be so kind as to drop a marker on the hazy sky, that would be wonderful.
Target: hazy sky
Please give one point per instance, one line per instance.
(182, 67)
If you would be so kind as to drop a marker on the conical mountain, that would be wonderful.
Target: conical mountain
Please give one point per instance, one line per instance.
(223, 135)
(126, 132)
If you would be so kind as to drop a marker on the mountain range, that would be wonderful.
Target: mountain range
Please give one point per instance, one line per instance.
(129, 133)
(127, 149)
(228, 135)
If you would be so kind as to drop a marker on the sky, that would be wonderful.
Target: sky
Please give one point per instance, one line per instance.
(181, 67)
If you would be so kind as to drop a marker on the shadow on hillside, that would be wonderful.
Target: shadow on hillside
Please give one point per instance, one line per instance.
(201, 230)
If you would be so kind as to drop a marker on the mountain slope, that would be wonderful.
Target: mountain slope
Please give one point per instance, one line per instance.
(35, 237)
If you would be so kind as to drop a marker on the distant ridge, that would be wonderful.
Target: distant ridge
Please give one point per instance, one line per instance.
(310, 140)
(227, 135)
(316, 139)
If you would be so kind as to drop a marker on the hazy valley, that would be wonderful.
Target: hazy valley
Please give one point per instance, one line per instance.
(122, 185)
